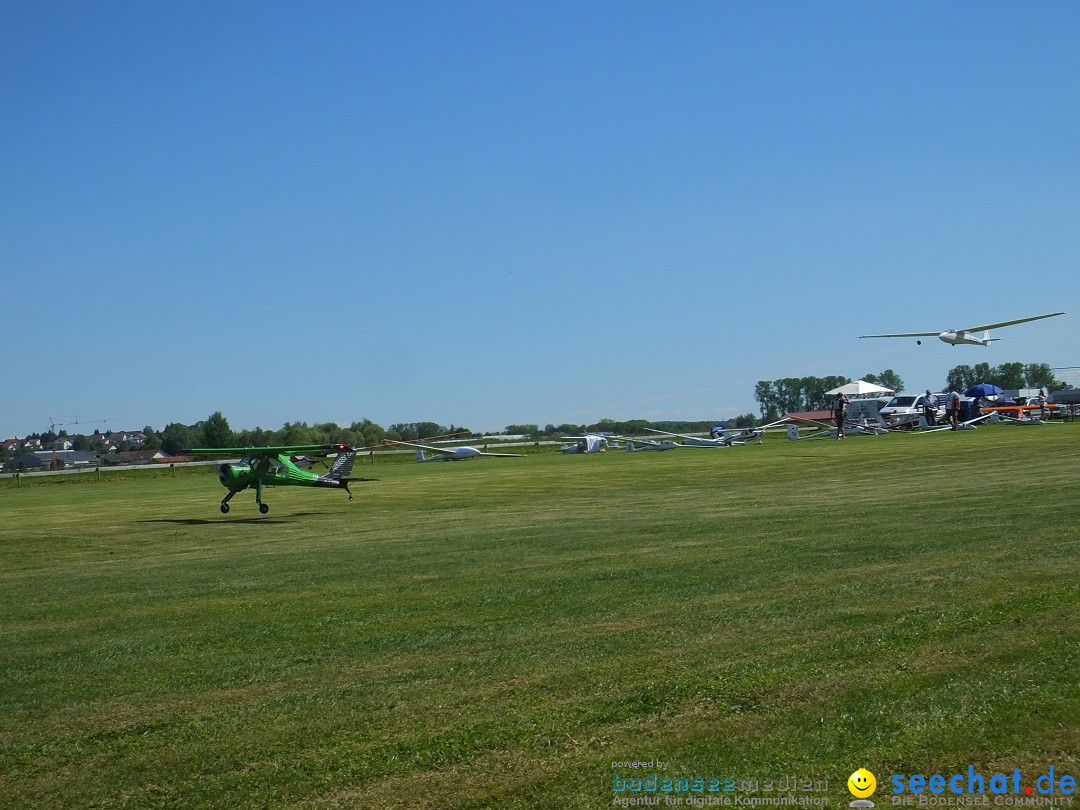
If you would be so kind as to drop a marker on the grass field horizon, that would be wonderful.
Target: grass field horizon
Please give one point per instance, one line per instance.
(500, 633)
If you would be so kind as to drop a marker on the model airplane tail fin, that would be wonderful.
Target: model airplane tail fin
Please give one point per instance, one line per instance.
(793, 433)
(342, 465)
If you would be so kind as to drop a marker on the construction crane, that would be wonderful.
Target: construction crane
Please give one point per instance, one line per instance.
(53, 425)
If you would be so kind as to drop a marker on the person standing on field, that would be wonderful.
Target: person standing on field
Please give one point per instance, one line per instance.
(838, 408)
(952, 410)
(929, 408)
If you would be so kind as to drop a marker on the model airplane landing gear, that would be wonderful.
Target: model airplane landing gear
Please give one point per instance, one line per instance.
(263, 508)
(225, 502)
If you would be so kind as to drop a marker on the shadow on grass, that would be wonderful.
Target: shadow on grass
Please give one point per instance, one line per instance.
(277, 520)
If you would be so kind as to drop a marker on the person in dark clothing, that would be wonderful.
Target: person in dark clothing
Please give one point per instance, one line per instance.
(929, 408)
(839, 407)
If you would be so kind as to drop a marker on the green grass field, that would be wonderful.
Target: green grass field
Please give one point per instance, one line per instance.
(500, 633)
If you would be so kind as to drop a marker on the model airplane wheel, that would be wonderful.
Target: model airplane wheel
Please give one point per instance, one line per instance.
(224, 509)
(264, 508)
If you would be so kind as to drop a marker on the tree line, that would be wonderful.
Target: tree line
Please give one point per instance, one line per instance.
(793, 394)
(1007, 376)
(216, 432)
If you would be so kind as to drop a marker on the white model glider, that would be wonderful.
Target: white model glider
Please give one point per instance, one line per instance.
(970, 424)
(1029, 419)
(865, 427)
(957, 336)
(719, 437)
(637, 445)
(589, 443)
(451, 453)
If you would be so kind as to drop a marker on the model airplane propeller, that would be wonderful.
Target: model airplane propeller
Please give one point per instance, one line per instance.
(260, 467)
(957, 336)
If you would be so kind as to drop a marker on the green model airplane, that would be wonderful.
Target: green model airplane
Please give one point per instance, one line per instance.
(277, 466)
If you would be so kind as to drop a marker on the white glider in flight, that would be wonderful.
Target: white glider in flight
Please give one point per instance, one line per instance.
(956, 336)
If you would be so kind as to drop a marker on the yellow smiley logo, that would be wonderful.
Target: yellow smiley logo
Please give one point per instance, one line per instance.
(861, 783)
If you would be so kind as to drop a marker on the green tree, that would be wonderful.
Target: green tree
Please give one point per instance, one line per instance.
(153, 441)
(411, 431)
(1009, 375)
(1040, 375)
(178, 437)
(366, 433)
(887, 379)
(763, 393)
(254, 438)
(522, 430)
(297, 433)
(216, 431)
(961, 377)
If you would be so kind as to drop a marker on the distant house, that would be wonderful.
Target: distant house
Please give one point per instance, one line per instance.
(172, 459)
(102, 442)
(69, 458)
(11, 445)
(25, 462)
(132, 438)
(132, 457)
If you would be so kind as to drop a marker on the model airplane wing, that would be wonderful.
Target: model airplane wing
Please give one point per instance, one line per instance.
(427, 447)
(905, 334)
(1009, 323)
(668, 433)
(449, 451)
(984, 327)
(292, 449)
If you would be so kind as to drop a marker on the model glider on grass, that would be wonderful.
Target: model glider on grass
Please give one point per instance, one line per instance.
(638, 445)
(589, 443)
(1028, 418)
(827, 431)
(957, 336)
(461, 453)
(970, 424)
(260, 467)
(719, 436)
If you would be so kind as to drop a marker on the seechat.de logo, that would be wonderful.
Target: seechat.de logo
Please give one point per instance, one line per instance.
(1002, 785)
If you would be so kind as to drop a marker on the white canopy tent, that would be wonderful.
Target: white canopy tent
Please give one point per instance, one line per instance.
(859, 388)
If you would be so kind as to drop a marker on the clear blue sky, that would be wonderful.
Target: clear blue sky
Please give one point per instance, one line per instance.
(486, 213)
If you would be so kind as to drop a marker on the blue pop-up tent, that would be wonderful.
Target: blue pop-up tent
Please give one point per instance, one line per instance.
(983, 390)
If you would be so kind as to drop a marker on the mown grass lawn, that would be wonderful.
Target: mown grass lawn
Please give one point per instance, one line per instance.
(498, 633)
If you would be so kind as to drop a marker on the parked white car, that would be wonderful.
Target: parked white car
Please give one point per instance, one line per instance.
(903, 406)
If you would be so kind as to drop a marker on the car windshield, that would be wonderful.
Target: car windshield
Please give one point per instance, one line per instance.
(901, 402)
